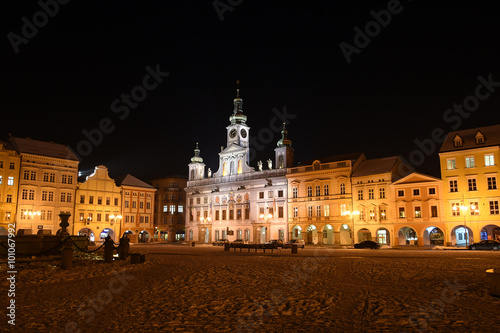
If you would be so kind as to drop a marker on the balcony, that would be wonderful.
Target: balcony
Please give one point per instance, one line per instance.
(235, 178)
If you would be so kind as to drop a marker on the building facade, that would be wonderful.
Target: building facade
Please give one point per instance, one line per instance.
(98, 206)
(138, 199)
(170, 208)
(469, 168)
(47, 184)
(371, 198)
(9, 186)
(237, 201)
(417, 211)
(320, 200)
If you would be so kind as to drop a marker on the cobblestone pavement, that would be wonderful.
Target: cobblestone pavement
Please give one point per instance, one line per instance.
(204, 289)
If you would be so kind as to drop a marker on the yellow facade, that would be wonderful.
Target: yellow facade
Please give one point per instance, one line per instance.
(319, 196)
(469, 167)
(98, 207)
(9, 186)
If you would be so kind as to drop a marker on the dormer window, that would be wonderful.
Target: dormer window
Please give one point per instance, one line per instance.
(457, 141)
(479, 138)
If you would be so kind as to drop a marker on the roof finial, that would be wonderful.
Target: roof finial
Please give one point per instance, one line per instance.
(238, 89)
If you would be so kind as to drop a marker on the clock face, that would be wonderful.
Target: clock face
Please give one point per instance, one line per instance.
(243, 133)
(232, 133)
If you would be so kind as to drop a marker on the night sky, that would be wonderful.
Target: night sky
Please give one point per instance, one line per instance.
(69, 77)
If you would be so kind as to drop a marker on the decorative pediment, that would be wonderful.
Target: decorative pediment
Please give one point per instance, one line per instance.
(233, 149)
(416, 177)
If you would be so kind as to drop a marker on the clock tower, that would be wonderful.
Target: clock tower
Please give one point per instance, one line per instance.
(235, 157)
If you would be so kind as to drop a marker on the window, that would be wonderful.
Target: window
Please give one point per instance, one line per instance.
(52, 177)
(326, 209)
(416, 192)
(401, 212)
(418, 212)
(372, 215)
(326, 190)
(82, 199)
(1, 164)
(469, 162)
(434, 211)
(64, 179)
(247, 214)
(99, 200)
(141, 219)
(45, 176)
(1, 177)
(26, 175)
(63, 197)
(49, 215)
(492, 183)
(70, 179)
(132, 219)
(10, 181)
(44, 195)
(217, 215)
(280, 194)
(108, 201)
(453, 186)
(270, 194)
(146, 219)
(471, 183)
(455, 209)
(432, 191)
(205, 200)
(474, 208)
(99, 217)
(295, 212)
(294, 192)
(343, 208)
(106, 217)
(171, 208)
(451, 164)
(7, 216)
(382, 193)
(180, 208)
(401, 193)
(360, 194)
(141, 204)
(342, 188)
(198, 201)
(362, 215)
(51, 196)
(383, 214)
(309, 211)
(9, 198)
(318, 190)
(261, 195)
(280, 212)
(371, 194)
(91, 200)
(489, 160)
(116, 201)
(494, 207)
(126, 204)
(231, 214)
(24, 194)
(224, 216)
(318, 211)
(31, 195)
(309, 191)
(134, 204)
(12, 166)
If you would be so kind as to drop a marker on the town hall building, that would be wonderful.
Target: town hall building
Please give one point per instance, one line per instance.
(237, 201)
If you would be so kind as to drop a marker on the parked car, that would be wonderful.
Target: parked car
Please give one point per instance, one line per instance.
(276, 242)
(485, 245)
(300, 243)
(239, 241)
(367, 244)
(220, 242)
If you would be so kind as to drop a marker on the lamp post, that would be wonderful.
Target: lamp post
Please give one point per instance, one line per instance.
(352, 214)
(463, 208)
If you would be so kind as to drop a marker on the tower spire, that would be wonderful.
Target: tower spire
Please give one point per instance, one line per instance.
(238, 117)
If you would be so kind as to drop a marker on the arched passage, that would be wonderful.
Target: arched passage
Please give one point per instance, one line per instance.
(490, 232)
(407, 236)
(328, 235)
(87, 232)
(383, 236)
(105, 233)
(433, 236)
(461, 236)
(345, 235)
(297, 232)
(144, 236)
(312, 234)
(364, 234)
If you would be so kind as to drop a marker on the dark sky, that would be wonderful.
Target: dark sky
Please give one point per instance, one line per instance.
(396, 89)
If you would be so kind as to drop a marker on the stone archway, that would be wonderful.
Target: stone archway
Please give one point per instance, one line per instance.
(364, 234)
(312, 234)
(490, 232)
(328, 235)
(345, 235)
(383, 236)
(87, 232)
(433, 236)
(461, 236)
(407, 236)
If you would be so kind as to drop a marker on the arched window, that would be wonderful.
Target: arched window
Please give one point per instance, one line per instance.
(231, 168)
(280, 162)
(318, 190)
(342, 188)
(240, 166)
(224, 169)
(192, 175)
(326, 190)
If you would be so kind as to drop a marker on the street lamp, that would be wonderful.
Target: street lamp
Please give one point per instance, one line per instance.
(352, 214)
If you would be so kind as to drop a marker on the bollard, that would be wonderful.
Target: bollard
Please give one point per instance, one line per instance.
(108, 250)
(295, 248)
(67, 254)
(226, 246)
(123, 248)
(192, 244)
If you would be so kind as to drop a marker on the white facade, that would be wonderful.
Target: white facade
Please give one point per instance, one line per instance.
(237, 201)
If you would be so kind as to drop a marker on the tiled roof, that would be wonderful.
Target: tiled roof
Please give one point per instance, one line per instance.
(130, 180)
(336, 158)
(42, 148)
(375, 166)
(491, 138)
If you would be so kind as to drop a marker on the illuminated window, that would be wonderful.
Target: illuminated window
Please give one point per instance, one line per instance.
(434, 211)
(489, 160)
(10, 181)
(326, 209)
(469, 162)
(240, 166)
(474, 208)
(451, 164)
(418, 212)
(383, 214)
(326, 191)
(455, 209)
(318, 211)
(401, 212)
(309, 211)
